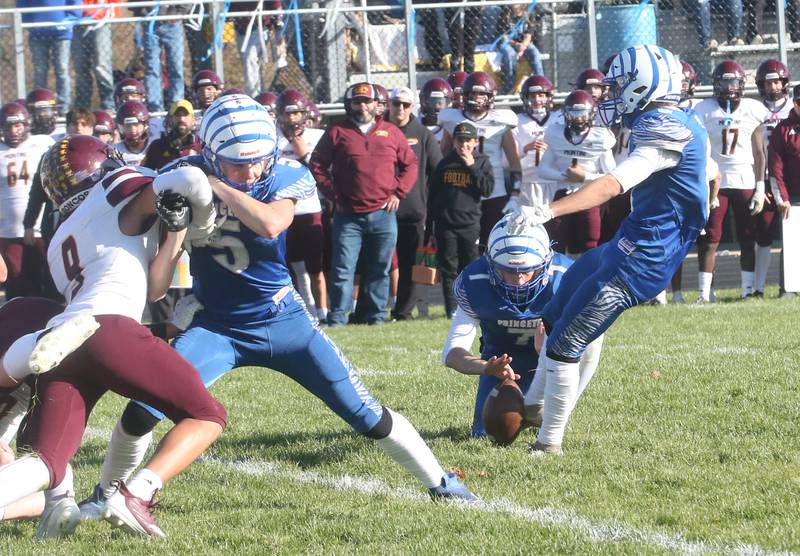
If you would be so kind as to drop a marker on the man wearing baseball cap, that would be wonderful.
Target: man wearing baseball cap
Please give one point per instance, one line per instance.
(178, 140)
(413, 208)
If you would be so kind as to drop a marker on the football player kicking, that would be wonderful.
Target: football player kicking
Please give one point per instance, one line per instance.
(666, 170)
(251, 315)
(503, 292)
(105, 261)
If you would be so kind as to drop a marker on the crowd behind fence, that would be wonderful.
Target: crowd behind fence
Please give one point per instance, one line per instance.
(321, 47)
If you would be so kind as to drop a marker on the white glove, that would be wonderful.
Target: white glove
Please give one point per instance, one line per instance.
(513, 205)
(530, 216)
(714, 203)
(757, 201)
(191, 183)
(184, 311)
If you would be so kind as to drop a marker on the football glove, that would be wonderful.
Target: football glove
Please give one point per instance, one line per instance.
(530, 216)
(173, 210)
(513, 205)
(757, 201)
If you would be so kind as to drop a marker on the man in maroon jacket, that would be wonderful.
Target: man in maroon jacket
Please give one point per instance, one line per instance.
(177, 141)
(783, 156)
(365, 166)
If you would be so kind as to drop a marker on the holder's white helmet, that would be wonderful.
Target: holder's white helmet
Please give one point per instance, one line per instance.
(238, 130)
(638, 76)
(527, 249)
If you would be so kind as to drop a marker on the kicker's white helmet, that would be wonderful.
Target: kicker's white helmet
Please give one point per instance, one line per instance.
(638, 76)
(238, 130)
(518, 249)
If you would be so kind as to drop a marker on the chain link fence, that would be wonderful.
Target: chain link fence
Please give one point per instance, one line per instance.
(321, 47)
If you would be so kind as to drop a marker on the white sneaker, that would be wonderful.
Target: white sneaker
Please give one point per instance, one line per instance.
(540, 450)
(93, 507)
(59, 519)
(56, 343)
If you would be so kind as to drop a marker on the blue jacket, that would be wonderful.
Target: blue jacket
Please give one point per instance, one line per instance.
(67, 17)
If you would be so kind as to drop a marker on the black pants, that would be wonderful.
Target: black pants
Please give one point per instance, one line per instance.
(457, 248)
(463, 41)
(409, 239)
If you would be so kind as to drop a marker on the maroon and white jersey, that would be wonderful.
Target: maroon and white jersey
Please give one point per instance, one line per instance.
(731, 134)
(622, 147)
(96, 267)
(17, 168)
(132, 158)
(595, 153)
(534, 189)
(311, 136)
(491, 129)
(776, 114)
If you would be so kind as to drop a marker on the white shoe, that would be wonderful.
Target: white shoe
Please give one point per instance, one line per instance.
(56, 343)
(93, 507)
(59, 519)
(540, 450)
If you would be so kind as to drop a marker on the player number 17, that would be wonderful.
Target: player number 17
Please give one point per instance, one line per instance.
(730, 137)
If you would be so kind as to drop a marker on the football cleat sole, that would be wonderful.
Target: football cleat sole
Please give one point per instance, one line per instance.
(58, 520)
(56, 343)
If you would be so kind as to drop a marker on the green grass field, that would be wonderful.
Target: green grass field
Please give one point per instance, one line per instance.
(686, 441)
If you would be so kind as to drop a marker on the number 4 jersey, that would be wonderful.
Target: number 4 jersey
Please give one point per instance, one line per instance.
(730, 134)
(17, 168)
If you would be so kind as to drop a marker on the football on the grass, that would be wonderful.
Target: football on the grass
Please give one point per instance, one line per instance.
(503, 413)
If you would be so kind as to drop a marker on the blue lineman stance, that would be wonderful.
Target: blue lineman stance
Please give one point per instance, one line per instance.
(251, 315)
(666, 171)
(504, 293)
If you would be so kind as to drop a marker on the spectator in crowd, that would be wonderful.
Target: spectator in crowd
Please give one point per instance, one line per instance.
(784, 164)
(461, 178)
(463, 26)
(52, 44)
(516, 29)
(436, 40)
(252, 36)
(166, 35)
(753, 20)
(364, 165)
(91, 54)
(198, 31)
(413, 208)
(733, 22)
(178, 140)
(80, 121)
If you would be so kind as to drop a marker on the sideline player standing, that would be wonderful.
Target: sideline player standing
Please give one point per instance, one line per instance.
(666, 170)
(252, 316)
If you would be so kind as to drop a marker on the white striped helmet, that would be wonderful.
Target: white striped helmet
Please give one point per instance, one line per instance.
(524, 250)
(238, 130)
(638, 76)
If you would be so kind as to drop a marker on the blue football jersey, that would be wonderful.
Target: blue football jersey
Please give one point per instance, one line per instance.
(670, 207)
(238, 275)
(505, 328)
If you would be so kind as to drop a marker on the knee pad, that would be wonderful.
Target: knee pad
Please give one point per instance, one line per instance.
(137, 421)
(383, 428)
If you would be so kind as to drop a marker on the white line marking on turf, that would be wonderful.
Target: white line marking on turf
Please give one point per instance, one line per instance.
(549, 517)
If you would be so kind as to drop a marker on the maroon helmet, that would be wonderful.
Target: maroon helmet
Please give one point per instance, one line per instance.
(269, 100)
(313, 116)
(72, 166)
(128, 87)
(580, 110)
(359, 90)
(42, 104)
(133, 112)
(291, 101)
(456, 82)
(103, 123)
(772, 70)
(12, 114)
(535, 108)
(232, 91)
(479, 83)
(204, 96)
(728, 79)
(689, 81)
(591, 81)
(381, 99)
(436, 95)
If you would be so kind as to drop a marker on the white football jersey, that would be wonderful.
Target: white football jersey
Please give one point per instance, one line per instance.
(534, 189)
(437, 130)
(311, 136)
(774, 117)
(491, 129)
(18, 165)
(731, 139)
(131, 158)
(96, 267)
(595, 154)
